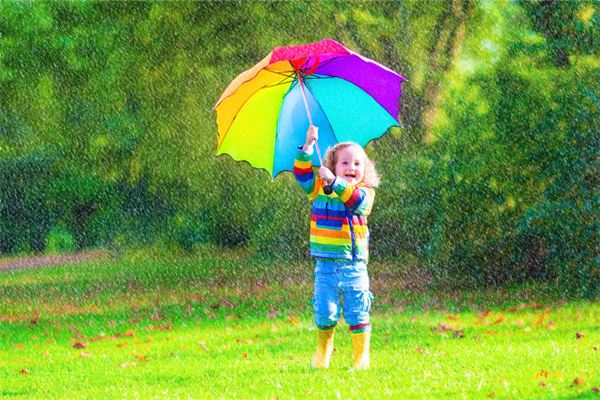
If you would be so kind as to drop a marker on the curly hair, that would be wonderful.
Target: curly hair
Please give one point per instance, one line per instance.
(371, 178)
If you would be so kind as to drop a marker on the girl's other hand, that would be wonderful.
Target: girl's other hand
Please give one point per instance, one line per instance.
(326, 174)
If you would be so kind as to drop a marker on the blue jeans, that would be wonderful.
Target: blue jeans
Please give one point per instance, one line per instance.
(348, 280)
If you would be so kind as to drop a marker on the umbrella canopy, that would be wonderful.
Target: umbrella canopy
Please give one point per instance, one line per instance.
(262, 115)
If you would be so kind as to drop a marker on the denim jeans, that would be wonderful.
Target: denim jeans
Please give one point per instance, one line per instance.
(344, 280)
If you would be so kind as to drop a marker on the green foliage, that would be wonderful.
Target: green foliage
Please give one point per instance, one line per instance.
(106, 131)
(24, 218)
(59, 240)
(510, 172)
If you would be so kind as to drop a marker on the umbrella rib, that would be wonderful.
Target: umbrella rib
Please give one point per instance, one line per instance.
(281, 82)
(289, 74)
(316, 77)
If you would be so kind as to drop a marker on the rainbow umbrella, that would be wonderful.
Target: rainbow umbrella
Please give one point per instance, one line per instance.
(264, 113)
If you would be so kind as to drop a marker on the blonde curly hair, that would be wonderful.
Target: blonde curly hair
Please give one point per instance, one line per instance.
(371, 178)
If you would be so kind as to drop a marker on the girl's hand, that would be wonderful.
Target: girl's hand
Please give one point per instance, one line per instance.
(326, 174)
(312, 135)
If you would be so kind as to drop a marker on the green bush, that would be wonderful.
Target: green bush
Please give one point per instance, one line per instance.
(60, 240)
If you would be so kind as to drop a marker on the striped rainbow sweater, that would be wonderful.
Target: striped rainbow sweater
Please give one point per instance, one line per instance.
(338, 226)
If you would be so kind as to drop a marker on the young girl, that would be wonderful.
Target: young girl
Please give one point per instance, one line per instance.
(339, 240)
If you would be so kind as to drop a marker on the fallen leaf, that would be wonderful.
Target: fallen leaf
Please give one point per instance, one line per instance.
(24, 371)
(141, 357)
(46, 353)
(491, 395)
(293, 320)
(83, 354)
(542, 373)
(579, 335)
(595, 389)
(158, 315)
(459, 333)
(99, 338)
(129, 332)
(79, 345)
(452, 317)
(73, 329)
(543, 384)
(442, 328)
(579, 381)
(128, 364)
(202, 344)
(123, 344)
(248, 341)
(550, 326)
(244, 355)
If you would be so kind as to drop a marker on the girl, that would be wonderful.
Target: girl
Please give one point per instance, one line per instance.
(339, 240)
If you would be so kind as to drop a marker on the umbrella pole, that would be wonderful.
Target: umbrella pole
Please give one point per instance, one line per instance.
(308, 113)
(327, 189)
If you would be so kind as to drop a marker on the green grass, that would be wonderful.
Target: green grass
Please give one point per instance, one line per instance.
(232, 327)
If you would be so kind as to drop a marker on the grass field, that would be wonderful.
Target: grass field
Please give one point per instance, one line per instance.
(228, 326)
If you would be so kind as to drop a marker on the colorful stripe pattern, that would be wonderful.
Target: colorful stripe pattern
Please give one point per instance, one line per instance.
(360, 328)
(261, 117)
(338, 227)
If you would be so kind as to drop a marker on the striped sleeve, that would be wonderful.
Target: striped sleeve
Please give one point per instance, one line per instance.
(359, 199)
(303, 171)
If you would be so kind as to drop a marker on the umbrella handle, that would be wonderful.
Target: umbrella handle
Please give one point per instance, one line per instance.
(327, 188)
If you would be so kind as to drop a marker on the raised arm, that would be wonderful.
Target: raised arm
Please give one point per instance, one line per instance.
(303, 168)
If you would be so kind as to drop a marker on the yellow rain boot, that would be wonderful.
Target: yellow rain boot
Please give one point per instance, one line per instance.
(324, 349)
(360, 343)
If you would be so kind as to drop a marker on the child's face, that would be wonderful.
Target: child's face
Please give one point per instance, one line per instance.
(350, 164)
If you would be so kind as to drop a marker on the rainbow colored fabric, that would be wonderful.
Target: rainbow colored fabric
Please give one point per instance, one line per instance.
(261, 115)
(338, 226)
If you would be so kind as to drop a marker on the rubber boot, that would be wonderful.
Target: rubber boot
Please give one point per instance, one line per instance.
(360, 343)
(324, 349)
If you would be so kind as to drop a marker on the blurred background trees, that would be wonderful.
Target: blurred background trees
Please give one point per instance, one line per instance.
(107, 137)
